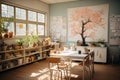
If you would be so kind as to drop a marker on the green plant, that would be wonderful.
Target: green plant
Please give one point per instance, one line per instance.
(20, 41)
(31, 39)
(4, 23)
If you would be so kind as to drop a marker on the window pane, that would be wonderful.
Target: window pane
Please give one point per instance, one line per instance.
(32, 29)
(7, 11)
(41, 17)
(20, 13)
(40, 29)
(20, 29)
(11, 27)
(32, 16)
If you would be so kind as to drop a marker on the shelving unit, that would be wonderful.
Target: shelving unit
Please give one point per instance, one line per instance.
(14, 58)
(100, 53)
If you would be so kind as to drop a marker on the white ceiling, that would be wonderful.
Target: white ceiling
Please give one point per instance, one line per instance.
(55, 1)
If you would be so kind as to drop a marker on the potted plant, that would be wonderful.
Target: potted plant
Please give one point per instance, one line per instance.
(31, 40)
(101, 42)
(19, 43)
(4, 23)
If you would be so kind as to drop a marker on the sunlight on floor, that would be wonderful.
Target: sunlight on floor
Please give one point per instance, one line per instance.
(44, 74)
(43, 70)
(34, 74)
(43, 77)
(40, 72)
(74, 75)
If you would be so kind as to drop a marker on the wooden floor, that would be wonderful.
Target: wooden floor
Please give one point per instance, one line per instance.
(39, 71)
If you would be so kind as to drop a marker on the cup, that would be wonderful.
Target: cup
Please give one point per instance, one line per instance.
(79, 51)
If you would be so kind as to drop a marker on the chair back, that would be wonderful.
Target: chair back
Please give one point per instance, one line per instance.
(53, 60)
(87, 60)
(92, 56)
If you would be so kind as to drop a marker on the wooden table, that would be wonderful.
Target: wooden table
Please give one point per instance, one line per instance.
(72, 55)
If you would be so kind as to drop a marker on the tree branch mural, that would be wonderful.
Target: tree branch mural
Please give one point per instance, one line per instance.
(85, 22)
(83, 31)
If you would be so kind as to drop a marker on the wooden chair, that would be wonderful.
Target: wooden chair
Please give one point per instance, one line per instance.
(89, 63)
(86, 65)
(68, 61)
(92, 63)
(59, 68)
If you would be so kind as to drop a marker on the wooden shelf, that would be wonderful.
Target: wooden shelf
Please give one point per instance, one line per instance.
(33, 53)
(15, 58)
(11, 59)
(7, 51)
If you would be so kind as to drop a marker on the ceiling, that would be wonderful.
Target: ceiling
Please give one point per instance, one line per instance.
(55, 1)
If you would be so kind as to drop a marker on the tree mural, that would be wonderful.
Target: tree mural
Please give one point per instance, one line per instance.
(84, 21)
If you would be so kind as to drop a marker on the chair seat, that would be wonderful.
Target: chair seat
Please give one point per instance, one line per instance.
(62, 66)
(55, 64)
(77, 59)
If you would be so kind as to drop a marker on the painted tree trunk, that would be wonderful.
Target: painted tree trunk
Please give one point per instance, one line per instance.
(83, 41)
(82, 34)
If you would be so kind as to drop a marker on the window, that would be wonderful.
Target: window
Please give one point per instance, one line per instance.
(11, 28)
(32, 29)
(20, 13)
(40, 29)
(7, 11)
(26, 21)
(20, 29)
(41, 17)
(32, 16)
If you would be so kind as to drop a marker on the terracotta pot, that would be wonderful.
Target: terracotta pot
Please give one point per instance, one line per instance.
(10, 34)
(4, 35)
(18, 47)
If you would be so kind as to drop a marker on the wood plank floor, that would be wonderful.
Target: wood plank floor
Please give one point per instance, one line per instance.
(39, 71)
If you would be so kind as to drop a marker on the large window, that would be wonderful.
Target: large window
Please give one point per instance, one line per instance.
(40, 29)
(41, 17)
(20, 13)
(7, 11)
(32, 16)
(20, 29)
(11, 28)
(26, 22)
(31, 29)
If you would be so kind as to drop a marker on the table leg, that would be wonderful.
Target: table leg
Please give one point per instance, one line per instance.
(83, 69)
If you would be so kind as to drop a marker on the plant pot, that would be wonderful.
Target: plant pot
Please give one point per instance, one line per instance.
(10, 34)
(4, 35)
(18, 47)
